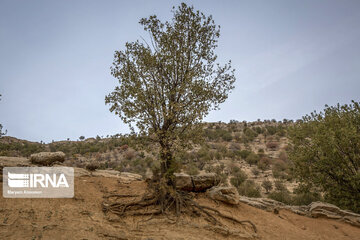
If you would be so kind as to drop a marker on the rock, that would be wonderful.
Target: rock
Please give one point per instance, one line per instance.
(315, 209)
(81, 172)
(196, 183)
(320, 209)
(47, 158)
(14, 162)
(225, 194)
(204, 181)
(148, 174)
(262, 203)
(183, 181)
(126, 177)
(320, 206)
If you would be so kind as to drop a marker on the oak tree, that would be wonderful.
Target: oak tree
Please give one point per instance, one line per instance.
(169, 83)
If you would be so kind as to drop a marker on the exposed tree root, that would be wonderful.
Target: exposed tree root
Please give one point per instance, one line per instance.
(165, 200)
(120, 195)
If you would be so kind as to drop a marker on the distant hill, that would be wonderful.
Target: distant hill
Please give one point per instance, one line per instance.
(243, 154)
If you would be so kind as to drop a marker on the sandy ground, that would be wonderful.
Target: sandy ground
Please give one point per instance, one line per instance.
(82, 218)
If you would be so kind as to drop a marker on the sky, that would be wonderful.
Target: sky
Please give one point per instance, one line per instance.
(291, 58)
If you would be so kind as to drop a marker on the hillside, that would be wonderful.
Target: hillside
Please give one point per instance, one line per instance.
(82, 218)
(243, 154)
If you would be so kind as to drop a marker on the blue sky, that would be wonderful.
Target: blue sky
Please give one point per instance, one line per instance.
(291, 57)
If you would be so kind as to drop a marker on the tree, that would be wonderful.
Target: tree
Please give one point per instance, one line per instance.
(1, 132)
(267, 185)
(82, 138)
(167, 86)
(1, 127)
(326, 153)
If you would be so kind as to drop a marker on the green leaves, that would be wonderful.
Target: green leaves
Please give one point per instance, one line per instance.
(326, 153)
(166, 87)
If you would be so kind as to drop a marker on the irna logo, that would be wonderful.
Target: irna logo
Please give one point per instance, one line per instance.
(18, 180)
(38, 182)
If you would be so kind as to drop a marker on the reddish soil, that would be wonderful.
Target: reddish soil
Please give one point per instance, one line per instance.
(82, 218)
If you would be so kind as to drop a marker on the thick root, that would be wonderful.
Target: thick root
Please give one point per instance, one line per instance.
(166, 200)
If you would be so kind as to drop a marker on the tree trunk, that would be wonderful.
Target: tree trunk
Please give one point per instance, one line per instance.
(167, 166)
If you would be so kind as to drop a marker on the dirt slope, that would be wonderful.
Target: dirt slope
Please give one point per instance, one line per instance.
(82, 218)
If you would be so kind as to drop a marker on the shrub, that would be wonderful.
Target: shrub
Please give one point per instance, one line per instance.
(261, 151)
(259, 130)
(192, 169)
(252, 158)
(250, 134)
(218, 156)
(267, 185)
(234, 169)
(227, 137)
(281, 196)
(92, 166)
(281, 132)
(249, 188)
(264, 163)
(255, 171)
(280, 170)
(235, 146)
(279, 186)
(219, 171)
(244, 153)
(129, 155)
(271, 130)
(305, 198)
(238, 178)
(203, 154)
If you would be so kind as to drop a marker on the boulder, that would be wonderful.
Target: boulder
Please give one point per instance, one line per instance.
(225, 194)
(47, 158)
(204, 181)
(196, 183)
(320, 209)
(183, 181)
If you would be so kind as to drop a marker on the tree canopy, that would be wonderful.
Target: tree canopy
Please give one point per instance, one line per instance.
(326, 153)
(169, 83)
